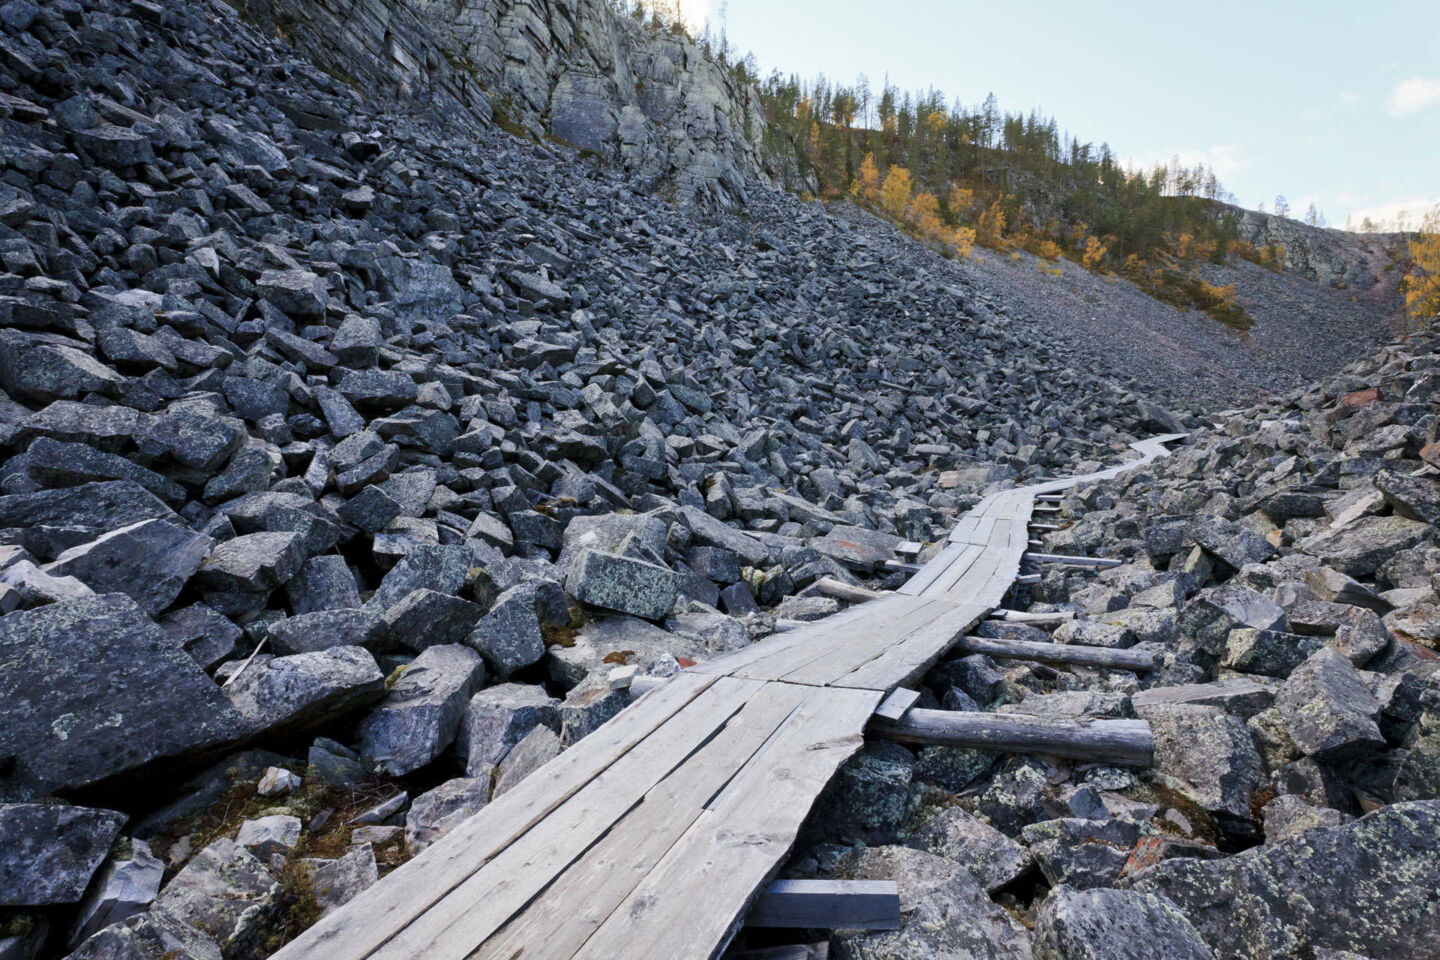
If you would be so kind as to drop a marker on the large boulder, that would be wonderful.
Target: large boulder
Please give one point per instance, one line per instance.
(48, 852)
(223, 892)
(421, 714)
(149, 561)
(944, 913)
(1114, 925)
(990, 856)
(1328, 710)
(1367, 887)
(622, 584)
(1209, 757)
(499, 717)
(92, 688)
(286, 695)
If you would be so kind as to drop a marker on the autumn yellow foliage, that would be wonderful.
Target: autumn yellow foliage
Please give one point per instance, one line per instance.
(991, 226)
(895, 192)
(962, 241)
(1422, 286)
(1049, 249)
(1093, 253)
(867, 183)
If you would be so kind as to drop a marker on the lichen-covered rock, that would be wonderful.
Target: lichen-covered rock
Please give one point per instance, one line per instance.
(1081, 853)
(436, 812)
(223, 892)
(944, 913)
(1367, 887)
(499, 717)
(49, 852)
(421, 713)
(1328, 710)
(622, 584)
(1209, 757)
(126, 885)
(868, 799)
(1114, 925)
(285, 695)
(990, 856)
(337, 882)
(92, 688)
(149, 561)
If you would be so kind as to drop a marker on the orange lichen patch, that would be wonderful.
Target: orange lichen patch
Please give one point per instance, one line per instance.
(1361, 398)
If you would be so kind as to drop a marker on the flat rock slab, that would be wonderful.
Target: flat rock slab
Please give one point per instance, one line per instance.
(285, 695)
(1367, 887)
(91, 688)
(48, 852)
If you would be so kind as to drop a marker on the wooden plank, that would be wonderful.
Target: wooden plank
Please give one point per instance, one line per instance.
(937, 566)
(1025, 616)
(692, 902)
(562, 918)
(1123, 742)
(1138, 661)
(883, 624)
(475, 909)
(909, 660)
(733, 662)
(975, 557)
(843, 657)
(358, 928)
(828, 905)
(894, 706)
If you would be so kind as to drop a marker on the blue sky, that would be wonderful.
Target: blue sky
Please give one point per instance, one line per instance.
(1335, 102)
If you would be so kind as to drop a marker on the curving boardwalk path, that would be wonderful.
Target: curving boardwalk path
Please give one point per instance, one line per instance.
(650, 837)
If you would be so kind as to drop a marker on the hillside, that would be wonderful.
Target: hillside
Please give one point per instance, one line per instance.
(390, 390)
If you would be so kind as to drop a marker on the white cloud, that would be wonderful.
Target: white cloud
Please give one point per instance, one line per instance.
(1415, 208)
(1348, 99)
(1413, 95)
(1223, 158)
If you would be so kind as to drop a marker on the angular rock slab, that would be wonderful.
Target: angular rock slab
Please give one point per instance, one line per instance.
(1114, 925)
(285, 695)
(48, 852)
(1367, 887)
(91, 688)
(149, 561)
(421, 714)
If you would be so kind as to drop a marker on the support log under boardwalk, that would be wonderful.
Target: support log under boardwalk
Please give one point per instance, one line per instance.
(1121, 742)
(1137, 661)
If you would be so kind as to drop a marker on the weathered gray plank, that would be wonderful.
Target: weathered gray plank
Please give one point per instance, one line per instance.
(828, 905)
(691, 903)
(460, 922)
(564, 916)
(357, 929)
(1138, 661)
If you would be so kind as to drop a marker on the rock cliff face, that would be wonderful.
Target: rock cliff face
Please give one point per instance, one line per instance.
(573, 70)
(1331, 257)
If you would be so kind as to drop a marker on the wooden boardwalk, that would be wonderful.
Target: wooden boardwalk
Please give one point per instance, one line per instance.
(651, 837)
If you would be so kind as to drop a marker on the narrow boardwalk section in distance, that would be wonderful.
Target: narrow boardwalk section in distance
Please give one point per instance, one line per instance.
(651, 836)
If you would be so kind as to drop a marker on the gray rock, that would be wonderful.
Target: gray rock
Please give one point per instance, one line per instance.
(436, 812)
(443, 569)
(1208, 756)
(298, 293)
(1328, 710)
(868, 799)
(535, 749)
(1367, 887)
(267, 837)
(286, 695)
(337, 882)
(1081, 853)
(420, 716)
(207, 636)
(1230, 542)
(1114, 925)
(254, 563)
(622, 584)
(944, 913)
(323, 583)
(498, 718)
(49, 852)
(324, 629)
(1092, 633)
(123, 888)
(508, 637)
(149, 561)
(1289, 815)
(73, 667)
(1238, 696)
(148, 936)
(991, 857)
(223, 892)
(54, 520)
(1359, 549)
(425, 618)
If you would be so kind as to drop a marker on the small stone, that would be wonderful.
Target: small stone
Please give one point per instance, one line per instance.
(277, 782)
(269, 836)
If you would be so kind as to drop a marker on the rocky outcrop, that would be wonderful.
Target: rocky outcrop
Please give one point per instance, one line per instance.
(575, 71)
(1333, 257)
